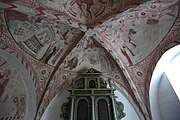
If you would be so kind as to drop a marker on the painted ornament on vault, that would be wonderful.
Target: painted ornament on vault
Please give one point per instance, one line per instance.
(132, 35)
(12, 93)
(41, 37)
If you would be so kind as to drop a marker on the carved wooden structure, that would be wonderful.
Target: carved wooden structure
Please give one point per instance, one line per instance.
(92, 98)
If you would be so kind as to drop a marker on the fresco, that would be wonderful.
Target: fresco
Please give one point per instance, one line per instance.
(40, 37)
(58, 39)
(12, 93)
(88, 54)
(133, 33)
(87, 11)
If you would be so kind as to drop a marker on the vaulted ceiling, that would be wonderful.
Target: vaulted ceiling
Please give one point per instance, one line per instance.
(56, 40)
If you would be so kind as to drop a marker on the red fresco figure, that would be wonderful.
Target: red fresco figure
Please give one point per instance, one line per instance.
(130, 33)
(126, 55)
(5, 79)
(88, 3)
(72, 63)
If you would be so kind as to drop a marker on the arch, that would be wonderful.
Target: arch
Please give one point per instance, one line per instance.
(88, 107)
(103, 110)
(53, 110)
(27, 81)
(131, 110)
(108, 108)
(92, 84)
(158, 76)
(82, 110)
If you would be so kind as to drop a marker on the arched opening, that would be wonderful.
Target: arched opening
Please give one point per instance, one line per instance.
(92, 84)
(82, 110)
(103, 111)
(163, 93)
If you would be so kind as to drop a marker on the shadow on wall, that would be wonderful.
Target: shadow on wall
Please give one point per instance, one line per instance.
(164, 101)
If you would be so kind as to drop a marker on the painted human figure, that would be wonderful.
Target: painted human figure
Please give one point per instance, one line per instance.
(64, 36)
(42, 38)
(4, 78)
(72, 63)
(89, 4)
(130, 33)
(123, 51)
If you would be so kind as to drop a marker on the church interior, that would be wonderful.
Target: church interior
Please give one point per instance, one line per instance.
(47, 44)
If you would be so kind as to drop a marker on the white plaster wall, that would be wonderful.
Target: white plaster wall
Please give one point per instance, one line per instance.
(169, 103)
(54, 109)
(131, 113)
(163, 100)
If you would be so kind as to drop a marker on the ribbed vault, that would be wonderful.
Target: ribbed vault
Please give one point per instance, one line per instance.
(56, 40)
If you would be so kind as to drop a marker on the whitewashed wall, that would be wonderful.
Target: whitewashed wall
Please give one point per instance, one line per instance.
(54, 109)
(131, 113)
(164, 102)
(169, 103)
